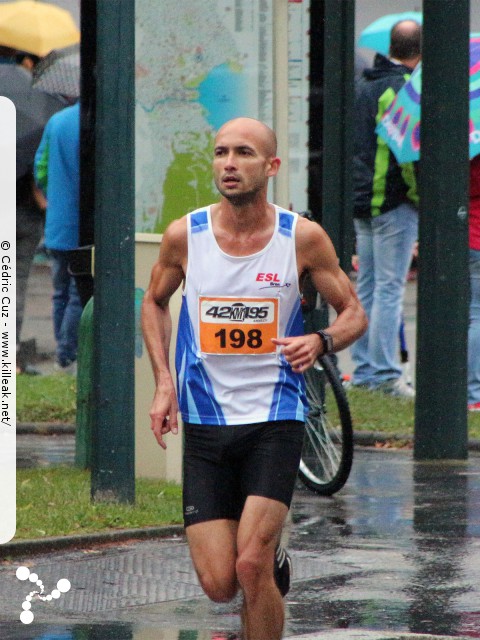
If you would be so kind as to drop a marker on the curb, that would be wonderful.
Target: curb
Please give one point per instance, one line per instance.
(46, 545)
(361, 438)
(372, 438)
(44, 428)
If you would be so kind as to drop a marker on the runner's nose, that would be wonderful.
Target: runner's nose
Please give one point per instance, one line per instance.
(230, 161)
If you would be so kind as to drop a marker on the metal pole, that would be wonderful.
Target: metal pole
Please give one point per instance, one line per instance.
(88, 45)
(113, 469)
(443, 292)
(338, 126)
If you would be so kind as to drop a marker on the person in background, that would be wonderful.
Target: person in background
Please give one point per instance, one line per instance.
(30, 203)
(57, 174)
(30, 217)
(385, 217)
(474, 266)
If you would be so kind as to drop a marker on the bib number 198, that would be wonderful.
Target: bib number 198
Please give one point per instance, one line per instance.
(237, 338)
(237, 326)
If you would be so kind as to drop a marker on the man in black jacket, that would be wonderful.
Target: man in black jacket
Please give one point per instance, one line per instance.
(32, 106)
(385, 216)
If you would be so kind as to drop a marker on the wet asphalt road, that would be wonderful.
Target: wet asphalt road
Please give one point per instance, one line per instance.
(396, 552)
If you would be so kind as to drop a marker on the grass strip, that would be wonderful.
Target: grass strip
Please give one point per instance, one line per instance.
(53, 399)
(56, 502)
(46, 398)
(374, 411)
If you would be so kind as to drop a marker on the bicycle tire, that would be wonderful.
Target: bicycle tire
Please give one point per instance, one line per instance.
(327, 453)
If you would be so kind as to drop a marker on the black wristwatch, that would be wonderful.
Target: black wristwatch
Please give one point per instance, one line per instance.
(327, 342)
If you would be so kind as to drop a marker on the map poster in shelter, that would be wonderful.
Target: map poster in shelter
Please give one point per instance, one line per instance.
(198, 65)
(298, 105)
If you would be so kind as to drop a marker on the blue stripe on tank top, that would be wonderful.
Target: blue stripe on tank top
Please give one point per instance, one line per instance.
(289, 397)
(276, 394)
(184, 395)
(290, 386)
(197, 398)
(285, 224)
(294, 325)
(199, 221)
(302, 411)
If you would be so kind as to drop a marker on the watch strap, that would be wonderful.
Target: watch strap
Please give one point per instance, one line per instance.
(327, 341)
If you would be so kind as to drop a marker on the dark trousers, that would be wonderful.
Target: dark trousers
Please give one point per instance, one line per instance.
(84, 288)
(29, 227)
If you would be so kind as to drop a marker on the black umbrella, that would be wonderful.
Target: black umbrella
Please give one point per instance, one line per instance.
(33, 109)
(59, 72)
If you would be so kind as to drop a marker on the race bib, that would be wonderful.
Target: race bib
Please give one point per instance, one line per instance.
(238, 326)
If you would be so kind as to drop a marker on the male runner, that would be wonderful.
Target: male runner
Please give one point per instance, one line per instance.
(240, 356)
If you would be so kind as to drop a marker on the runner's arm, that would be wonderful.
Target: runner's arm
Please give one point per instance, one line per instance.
(167, 275)
(316, 256)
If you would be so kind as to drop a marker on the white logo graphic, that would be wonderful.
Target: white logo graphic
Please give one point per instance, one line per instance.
(23, 573)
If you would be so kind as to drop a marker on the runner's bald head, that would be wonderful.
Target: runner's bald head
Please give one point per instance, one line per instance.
(252, 127)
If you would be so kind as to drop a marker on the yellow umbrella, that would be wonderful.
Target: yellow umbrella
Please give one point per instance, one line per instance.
(36, 27)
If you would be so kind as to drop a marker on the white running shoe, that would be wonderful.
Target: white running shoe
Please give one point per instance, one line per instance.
(396, 387)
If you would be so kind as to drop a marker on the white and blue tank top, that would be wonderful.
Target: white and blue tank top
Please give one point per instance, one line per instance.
(228, 370)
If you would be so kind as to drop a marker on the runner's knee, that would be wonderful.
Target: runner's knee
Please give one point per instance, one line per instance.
(219, 588)
(251, 569)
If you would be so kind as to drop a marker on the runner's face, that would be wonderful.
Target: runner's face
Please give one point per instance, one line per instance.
(241, 166)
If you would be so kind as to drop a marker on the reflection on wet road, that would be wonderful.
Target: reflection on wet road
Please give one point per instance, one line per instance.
(408, 537)
(397, 551)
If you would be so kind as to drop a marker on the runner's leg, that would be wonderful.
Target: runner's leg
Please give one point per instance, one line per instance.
(258, 534)
(213, 548)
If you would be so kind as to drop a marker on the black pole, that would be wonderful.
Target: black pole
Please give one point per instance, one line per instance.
(88, 46)
(443, 291)
(81, 260)
(338, 99)
(113, 469)
(315, 115)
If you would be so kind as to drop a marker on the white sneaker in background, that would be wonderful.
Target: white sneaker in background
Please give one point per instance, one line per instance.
(70, 369)
(396, 387)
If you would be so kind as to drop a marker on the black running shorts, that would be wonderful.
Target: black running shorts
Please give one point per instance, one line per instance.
(223, 465)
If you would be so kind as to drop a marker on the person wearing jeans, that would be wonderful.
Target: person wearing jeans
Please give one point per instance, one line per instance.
(67, 310)
(57, 173)
(385, 217)
(385, 244)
